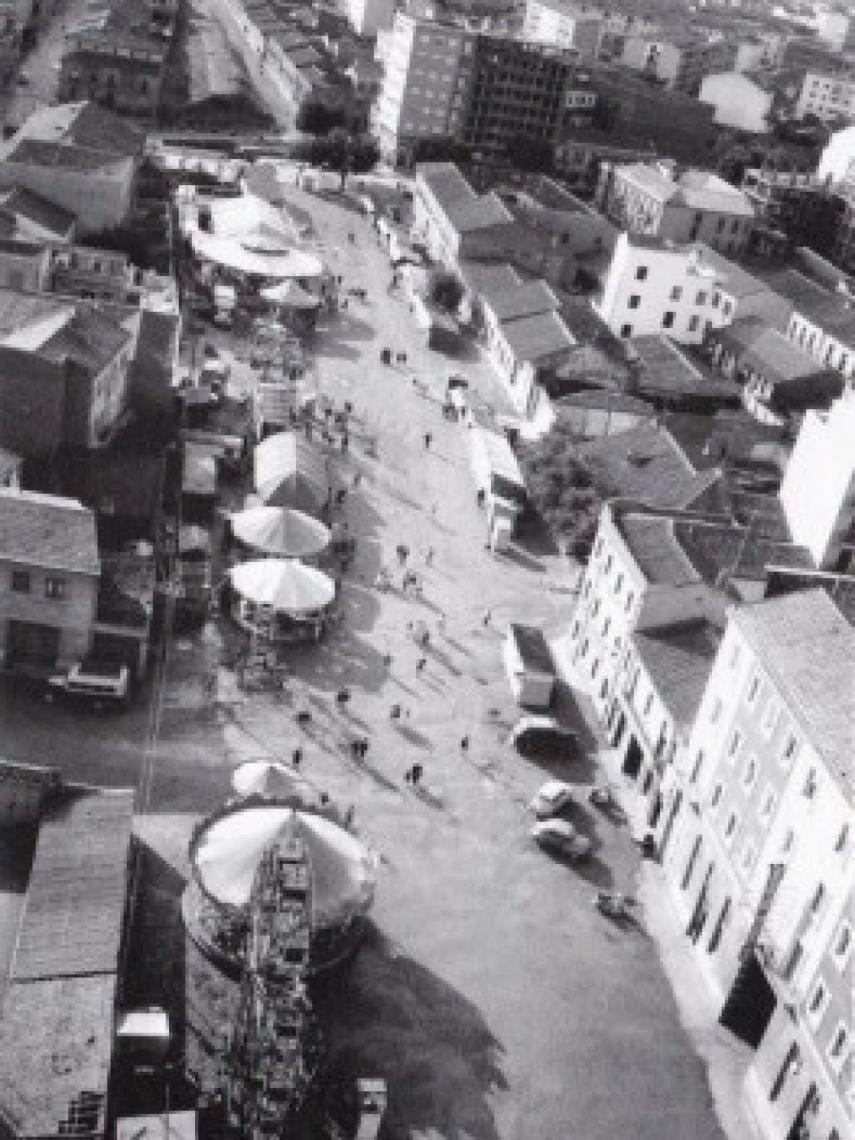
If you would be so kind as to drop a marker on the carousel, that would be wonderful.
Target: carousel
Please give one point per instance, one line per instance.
(281, 598)
(228, 848)
(280, 532)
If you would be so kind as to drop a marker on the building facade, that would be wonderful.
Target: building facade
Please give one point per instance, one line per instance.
(49, 574)
(757, 825)
(828, 97)
(563, 25)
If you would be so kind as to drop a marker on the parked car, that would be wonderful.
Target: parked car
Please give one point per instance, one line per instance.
(551, 799)
(560, 836)
(543, 737)
(102, 683)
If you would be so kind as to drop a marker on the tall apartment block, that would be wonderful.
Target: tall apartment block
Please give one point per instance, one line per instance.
(442, 81)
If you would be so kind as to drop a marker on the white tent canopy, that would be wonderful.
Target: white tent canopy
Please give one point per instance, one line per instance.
(287, 586)
(289, 472)
(343, 873)
(290, 293)
(242, 256)
(281, 531)
(266, 778)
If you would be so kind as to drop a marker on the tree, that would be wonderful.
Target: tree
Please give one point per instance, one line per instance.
(339, 151)
(316, 117)
(440, 150)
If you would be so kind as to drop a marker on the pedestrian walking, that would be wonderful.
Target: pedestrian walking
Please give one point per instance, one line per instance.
(395, 712)
(349, 816)
(345, 440)
(357, 479)
(428, 439)
(342, 697)
(482, 497)
(429, 556)
(417, 772)
(387, 662)
(420, 664)
(464, 744)
(324, 799)
(487, 618)
(297, 758)
(363, 748)
(354, 748)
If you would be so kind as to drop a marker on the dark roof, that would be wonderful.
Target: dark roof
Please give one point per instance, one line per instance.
(778, 359)
(484, 278)
(73, 917)
(678, 659)
(21, 248)
(532, 338)
(807, 647)
(90, 339)
(533, 648)
(828, 310)
(648, 465)
(729, 434)
(37, 209)
(91, 125)
(606, 400)
(43, 530)
(651, 542)
(524, 300)
(722, 551)
(665, 370)
(34, 152)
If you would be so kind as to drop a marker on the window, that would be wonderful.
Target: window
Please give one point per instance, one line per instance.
(716, 299)
(696, 767)
(715, 799)
(788, 752)
(767, 804)
(626, 331)
(749, 776)
(55, 588)
(809, 787)
(788, 842)
(817, 899)
(842, 839)
(734, 226)
(630, 598)
(641, 273)
(837, 1050)
(21, 581)
(730, 828)
(606, 626)
(701, 298)
(634, 301)
(818, 1003)
(753, 691)
(585, 645)
(609, 563)
(735, 745)
(734, 657)
(668, 319)
(676, 292)
(618, 583)
(843, 946)
(748, 857)
(770, 717)
(715, 710)
(648, 704)
(694, 322)
(595, 668)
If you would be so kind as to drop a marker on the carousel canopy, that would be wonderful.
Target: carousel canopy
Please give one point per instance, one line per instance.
(280, 530)
(286, 585)
(289, 472)
(248, 214)
(243, 256)
(266, 778)
(290, 293)
(229, 851)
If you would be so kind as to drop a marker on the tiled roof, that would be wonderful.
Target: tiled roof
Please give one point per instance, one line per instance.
(678, 659)
(828, 310)
(648, 465)
(523, 300)
(665, 369)
(651, 542)
(90, 339)
(532, 338)
(464, 209)
(37, 209)
(72, 920)
(485, 279)
(778, 359)
(87, 125)
(725, 551)
(808, 649)
(34, 152)
(43, 530)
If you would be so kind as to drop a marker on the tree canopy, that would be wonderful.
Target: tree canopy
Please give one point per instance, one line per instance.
(316, 117)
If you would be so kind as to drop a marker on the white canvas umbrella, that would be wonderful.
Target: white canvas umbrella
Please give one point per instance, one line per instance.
(291, 294)
(286, 585)
(281, 531)
(265, 778)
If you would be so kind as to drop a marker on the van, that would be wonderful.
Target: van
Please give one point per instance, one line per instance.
(543, 738)
(102, 683)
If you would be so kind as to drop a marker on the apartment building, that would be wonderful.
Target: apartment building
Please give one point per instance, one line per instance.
(651, 287)
(796, 204)
(818, 488)
(563, 25)
(687, 207)
(49, 574)
(756, 843)
(828, 97)
(445, 81)
(681, 63)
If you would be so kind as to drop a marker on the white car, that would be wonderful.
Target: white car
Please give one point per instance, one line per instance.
(561, 836)
(551, 799)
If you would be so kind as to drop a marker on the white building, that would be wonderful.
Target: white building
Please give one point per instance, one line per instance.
(829, 97)
(836, 30)
(739, 102)
(758, 847)
(653, 287)
(818, 489)
(838, 157)
(564, 25)
(368, 17)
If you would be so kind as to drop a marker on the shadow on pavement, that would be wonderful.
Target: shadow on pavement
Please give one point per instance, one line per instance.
(515, 554)
(389, 1016)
